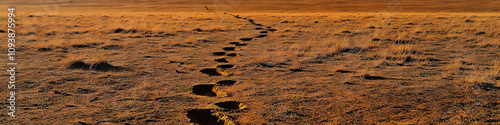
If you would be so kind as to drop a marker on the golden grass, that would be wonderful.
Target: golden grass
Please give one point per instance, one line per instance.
(494, 72)
(69, 60)
(98, 57)
(167, 66)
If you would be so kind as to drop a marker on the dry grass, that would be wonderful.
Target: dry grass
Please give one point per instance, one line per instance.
(98, 57)
(495, 71)
(69, 60)
(425, 68)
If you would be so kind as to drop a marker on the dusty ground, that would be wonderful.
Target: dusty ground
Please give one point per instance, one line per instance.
(384, 63)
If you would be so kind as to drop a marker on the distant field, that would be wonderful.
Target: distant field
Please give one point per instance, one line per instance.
(285, 6)
(256, 62)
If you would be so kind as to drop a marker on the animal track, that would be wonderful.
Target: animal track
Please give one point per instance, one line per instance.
(262, 35)
(219, 53)
(227, 82)
(203, 117)
(222, 60)
(234, 43)
(214, 72)
(206, 116)
(231, 105)
(229, 48)
(208, 90)
(225, 66)
(246, 39)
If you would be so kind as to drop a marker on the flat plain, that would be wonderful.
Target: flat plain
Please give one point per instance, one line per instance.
(256, 62)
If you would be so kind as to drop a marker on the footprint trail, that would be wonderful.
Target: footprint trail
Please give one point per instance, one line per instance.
(211, 116)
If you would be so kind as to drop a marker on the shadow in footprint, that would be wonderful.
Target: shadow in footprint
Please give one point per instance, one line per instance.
(230, 105)
(232, 54)
(211, 72)
(225, 66)
(229, 48)
(226, 82)
(203, 117)
(204, 90)
(234, 43)
(263, 31)
(246, 39)
(260, 36)
(222, 60)
(219, 53)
